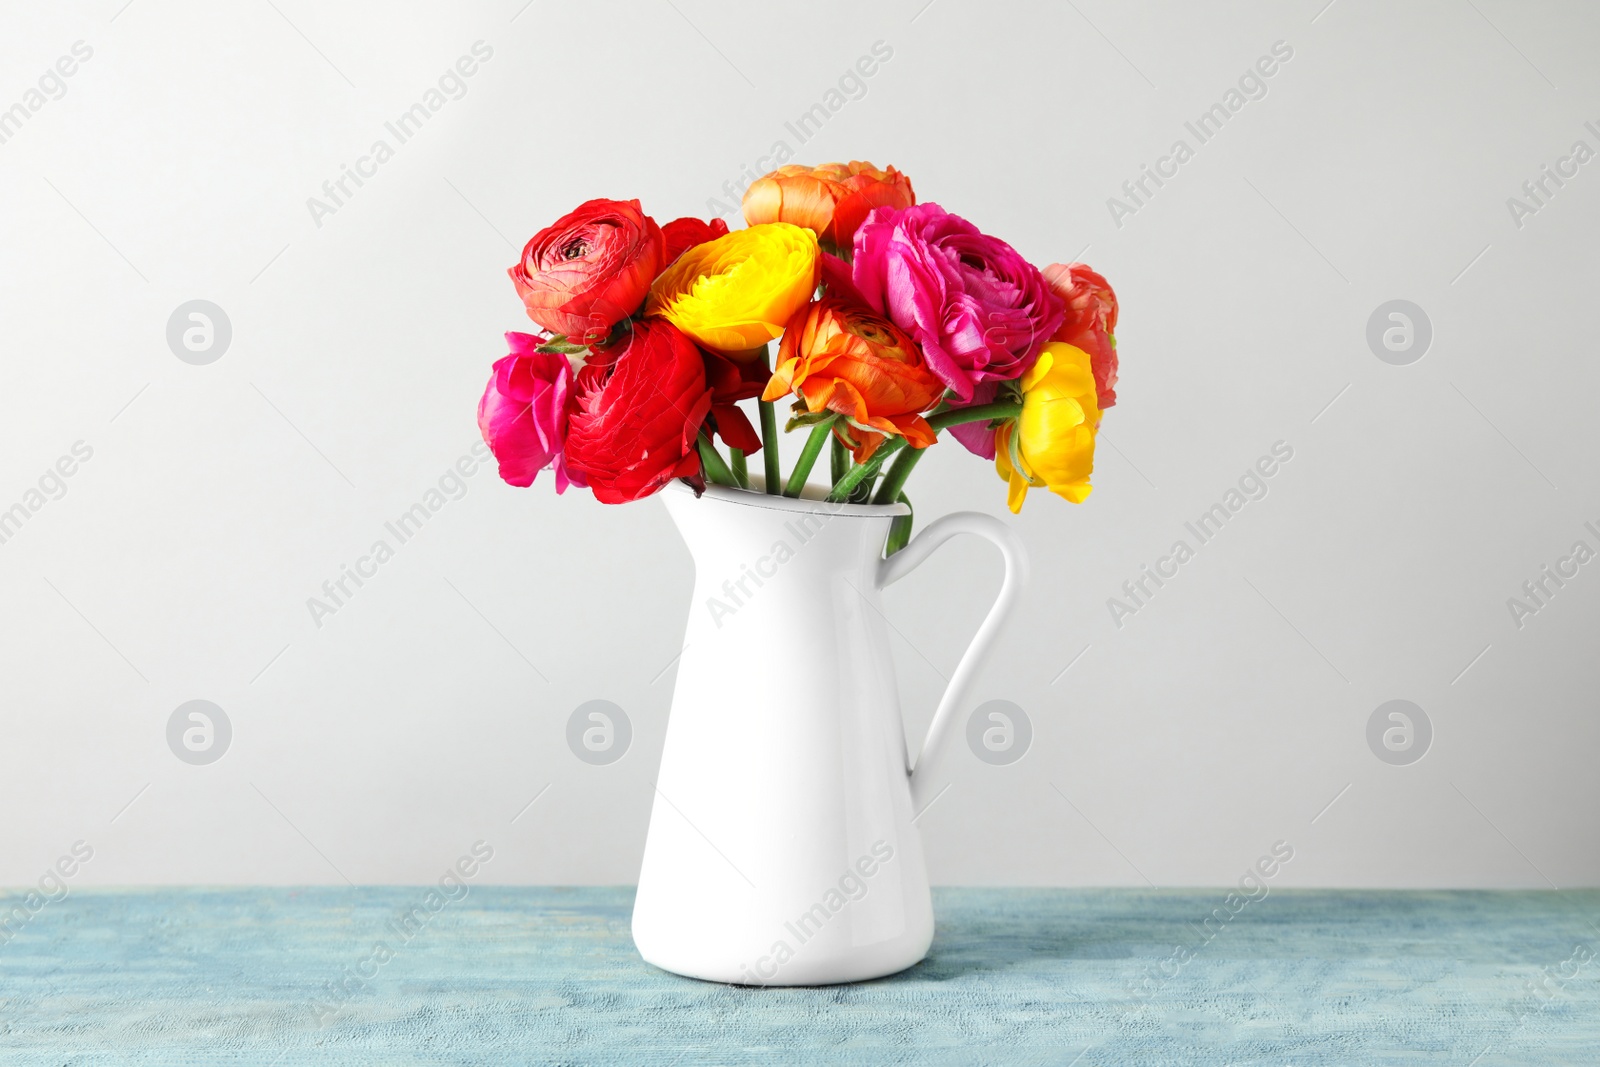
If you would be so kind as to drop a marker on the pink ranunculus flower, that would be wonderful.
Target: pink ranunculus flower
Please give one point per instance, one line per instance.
(1090, 324)
(979, 310)
(523, 413)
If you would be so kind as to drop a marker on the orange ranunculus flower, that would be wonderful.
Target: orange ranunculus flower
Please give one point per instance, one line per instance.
(842, 357)
(830, 200)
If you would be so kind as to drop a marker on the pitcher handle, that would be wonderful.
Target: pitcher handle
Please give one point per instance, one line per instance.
(904, 562)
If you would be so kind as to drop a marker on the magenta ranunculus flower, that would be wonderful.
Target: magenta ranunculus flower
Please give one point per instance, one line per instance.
(523, 413)
(979, 310)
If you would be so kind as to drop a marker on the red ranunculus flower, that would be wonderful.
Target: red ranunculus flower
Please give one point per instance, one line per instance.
(730, 383)
(640, 406)
(1091, 322)
(683, 234)
(590, 269)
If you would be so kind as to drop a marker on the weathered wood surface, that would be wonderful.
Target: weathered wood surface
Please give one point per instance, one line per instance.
(549, 976)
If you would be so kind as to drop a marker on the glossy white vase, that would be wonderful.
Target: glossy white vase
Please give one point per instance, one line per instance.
(782, 847)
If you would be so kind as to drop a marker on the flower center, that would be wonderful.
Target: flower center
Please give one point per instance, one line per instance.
(871, 332)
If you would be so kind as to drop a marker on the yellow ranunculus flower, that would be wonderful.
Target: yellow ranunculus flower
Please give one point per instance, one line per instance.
(1051, 443)
(736, 293)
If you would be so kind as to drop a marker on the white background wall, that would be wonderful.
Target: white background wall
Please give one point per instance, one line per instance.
(426, 713)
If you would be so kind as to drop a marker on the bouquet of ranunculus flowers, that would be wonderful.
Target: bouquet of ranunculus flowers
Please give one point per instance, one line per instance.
(894, 320)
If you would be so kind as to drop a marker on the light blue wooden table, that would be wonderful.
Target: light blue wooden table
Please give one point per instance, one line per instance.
(549, 976)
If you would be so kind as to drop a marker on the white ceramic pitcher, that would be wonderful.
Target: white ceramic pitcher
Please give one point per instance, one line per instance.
(782, 847)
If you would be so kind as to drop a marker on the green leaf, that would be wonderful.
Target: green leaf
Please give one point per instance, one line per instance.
(563, 348)
(807, 418)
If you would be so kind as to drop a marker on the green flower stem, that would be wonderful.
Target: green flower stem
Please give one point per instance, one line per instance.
(1004, 409)
(899, 529)
(899, 471)
(845, 487)
(808, 458)
(711, 462)
(741, 473)
(943, 420)
(769, 435)
(838, 460)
